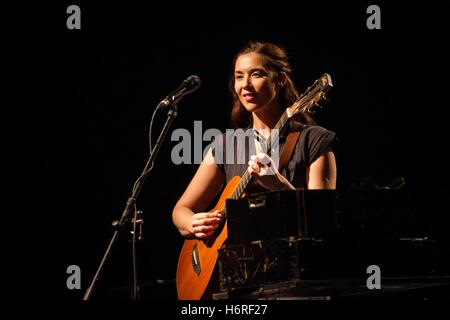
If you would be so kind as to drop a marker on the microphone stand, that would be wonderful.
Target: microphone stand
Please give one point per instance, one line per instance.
(131, 204)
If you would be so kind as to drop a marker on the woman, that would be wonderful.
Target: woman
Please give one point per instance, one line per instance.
(262, 88)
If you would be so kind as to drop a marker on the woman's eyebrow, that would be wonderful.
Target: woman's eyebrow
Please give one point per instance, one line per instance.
(251, 70)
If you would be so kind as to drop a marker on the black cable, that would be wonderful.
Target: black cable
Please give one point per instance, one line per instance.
(150, 144)
(134, 262)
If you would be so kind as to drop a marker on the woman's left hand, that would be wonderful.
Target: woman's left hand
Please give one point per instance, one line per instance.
(264, 169)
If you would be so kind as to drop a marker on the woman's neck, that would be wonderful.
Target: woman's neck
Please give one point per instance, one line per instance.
(266, 119)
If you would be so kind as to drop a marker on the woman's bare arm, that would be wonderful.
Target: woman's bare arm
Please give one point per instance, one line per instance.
(322, 173)
(201, 191)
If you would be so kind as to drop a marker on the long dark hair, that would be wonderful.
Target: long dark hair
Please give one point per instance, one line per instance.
(275, 60)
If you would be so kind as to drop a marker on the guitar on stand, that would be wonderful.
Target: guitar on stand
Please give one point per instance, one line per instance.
(198, 257)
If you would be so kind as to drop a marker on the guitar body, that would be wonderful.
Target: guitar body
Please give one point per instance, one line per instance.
(198, 257)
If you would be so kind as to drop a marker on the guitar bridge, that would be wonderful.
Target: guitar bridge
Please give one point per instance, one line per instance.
(195, 260)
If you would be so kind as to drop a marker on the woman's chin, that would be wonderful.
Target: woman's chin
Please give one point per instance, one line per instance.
(251, 107)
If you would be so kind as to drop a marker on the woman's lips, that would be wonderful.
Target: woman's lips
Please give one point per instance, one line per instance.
(249, 97)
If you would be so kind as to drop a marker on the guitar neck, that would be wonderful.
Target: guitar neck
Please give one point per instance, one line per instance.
(243, 183)
(245, 179)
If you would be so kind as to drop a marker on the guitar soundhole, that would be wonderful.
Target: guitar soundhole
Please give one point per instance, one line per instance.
(195, 260)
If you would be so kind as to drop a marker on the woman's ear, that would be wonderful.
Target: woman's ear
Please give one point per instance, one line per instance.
(282, 79)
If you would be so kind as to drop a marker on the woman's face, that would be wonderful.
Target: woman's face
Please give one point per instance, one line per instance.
(253, 83)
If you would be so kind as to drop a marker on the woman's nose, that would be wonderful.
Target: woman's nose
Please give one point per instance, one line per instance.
(246, 82)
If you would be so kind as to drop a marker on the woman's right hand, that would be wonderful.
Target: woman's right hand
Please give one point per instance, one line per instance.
(203, 224)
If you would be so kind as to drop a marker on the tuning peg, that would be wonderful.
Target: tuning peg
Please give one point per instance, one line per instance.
(318, 106)
(324, 97)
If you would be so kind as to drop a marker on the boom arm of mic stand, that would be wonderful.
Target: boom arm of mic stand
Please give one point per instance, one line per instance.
(171, 115)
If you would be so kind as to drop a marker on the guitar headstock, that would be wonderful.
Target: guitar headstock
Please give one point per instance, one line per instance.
(308, 102)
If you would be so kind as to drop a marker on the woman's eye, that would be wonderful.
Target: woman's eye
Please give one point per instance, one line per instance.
(256, 74)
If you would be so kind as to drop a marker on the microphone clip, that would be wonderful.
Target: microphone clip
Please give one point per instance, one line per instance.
(188, 85)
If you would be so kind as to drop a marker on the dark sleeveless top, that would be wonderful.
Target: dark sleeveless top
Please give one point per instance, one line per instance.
(313, 142)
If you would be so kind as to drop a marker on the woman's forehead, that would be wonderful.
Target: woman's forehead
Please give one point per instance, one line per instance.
(249, 61)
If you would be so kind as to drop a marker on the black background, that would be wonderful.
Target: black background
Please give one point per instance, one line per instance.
(79, 103)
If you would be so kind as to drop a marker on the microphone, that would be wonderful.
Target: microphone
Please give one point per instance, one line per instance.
(188, 85)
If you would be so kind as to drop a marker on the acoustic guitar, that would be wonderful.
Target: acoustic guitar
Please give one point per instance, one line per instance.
(198, 257)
